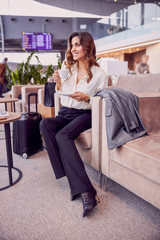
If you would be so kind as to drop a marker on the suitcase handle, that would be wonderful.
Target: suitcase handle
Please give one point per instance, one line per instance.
(29, 96)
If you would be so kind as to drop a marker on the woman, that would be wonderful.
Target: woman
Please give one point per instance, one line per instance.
(143, 66)
(2, 77)
(85, 78)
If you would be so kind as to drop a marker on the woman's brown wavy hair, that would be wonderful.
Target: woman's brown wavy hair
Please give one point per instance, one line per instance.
(88, 45)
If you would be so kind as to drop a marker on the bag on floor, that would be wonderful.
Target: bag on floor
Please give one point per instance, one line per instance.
(49, 92)
(26, 133)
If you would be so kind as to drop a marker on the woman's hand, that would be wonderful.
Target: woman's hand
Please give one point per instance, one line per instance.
(80, 96)
(57, 79)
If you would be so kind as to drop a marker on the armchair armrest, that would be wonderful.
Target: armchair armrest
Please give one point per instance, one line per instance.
(96, 131)
(41, 96)
(57, 104)
(16, 90)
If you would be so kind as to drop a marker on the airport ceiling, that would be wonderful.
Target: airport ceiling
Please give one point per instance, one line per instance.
(95, 7)
(129, 2)
(66, 8)
(101, 7)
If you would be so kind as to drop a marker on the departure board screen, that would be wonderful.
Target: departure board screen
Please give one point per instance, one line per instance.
(36, 41)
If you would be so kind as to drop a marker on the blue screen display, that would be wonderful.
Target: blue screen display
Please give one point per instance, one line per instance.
(36, 41)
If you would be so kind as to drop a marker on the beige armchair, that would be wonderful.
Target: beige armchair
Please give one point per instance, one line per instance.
(23, 90)
(136, 164)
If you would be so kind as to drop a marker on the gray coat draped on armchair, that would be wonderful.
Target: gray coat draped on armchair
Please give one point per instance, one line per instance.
(123, 122)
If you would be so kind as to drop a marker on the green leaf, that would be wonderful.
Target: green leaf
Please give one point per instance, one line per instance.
(59, 64)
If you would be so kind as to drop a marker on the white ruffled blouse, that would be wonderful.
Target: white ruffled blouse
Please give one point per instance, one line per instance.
(69, 86)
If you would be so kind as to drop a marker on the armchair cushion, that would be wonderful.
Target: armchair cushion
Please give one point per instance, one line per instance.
(25, 91)
(141, 155)
(149, 111)
(85, 139)
(30, 89)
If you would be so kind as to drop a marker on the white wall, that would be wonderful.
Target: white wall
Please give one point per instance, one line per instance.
(151, 11)
(134, 16)
(13, 29)
(153, 51)
(18, 57)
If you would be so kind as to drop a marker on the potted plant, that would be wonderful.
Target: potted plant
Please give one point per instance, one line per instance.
(25, 72)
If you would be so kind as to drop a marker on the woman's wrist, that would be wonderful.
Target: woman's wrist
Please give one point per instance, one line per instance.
(87, 99)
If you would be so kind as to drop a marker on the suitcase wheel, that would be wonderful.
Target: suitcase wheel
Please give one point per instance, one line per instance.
(25, 155)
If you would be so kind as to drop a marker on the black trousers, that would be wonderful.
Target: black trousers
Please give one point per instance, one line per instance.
(59, 134)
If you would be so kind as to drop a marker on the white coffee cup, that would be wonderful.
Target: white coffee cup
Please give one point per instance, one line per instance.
(63, 73)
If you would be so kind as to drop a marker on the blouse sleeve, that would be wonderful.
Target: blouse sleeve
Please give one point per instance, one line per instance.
(103, 84)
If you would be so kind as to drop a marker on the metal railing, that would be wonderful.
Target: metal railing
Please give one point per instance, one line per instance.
(1, 35)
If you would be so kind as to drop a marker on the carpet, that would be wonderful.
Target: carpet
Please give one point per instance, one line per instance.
(38, 207)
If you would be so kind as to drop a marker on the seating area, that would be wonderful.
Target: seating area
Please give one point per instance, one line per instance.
(39, 207)
(80, 120)
(136, 164)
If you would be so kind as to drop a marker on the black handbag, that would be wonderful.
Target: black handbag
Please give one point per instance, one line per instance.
(49, 91)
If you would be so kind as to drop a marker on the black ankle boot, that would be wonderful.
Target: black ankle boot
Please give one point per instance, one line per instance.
(89, 200)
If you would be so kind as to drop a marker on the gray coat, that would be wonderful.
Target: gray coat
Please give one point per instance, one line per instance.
(123, 122)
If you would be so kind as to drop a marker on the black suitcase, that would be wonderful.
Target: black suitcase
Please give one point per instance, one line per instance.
(26, 133)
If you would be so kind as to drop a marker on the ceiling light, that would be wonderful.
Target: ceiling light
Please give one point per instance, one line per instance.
(115, 0)
(135, 2)
(83, 26)
(156, 18)
(30, 19)
(13, 19)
